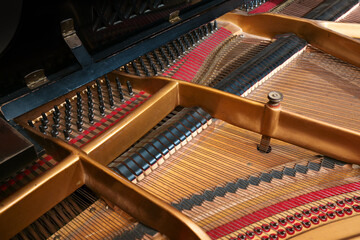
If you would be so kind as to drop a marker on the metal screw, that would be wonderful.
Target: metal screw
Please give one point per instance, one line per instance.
(275, 98)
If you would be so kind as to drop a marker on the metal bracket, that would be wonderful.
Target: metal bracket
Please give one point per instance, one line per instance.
(69, 34)
(174, 17)
(36, 79)
(73, 41)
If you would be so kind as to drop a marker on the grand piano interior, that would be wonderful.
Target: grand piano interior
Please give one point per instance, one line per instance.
(184, 119)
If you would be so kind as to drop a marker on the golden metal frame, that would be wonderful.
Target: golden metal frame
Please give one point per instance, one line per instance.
(270, 25)
(88, 165)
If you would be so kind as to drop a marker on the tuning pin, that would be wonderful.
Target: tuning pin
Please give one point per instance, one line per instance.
(118, 86)
(197, 38)
(54, 131)
(66, 135)
(56, 121)
(186, 41)
(211, 27)
(111, 101)
(79, 125)
(107, 82)
(215, 25)
(177, 51)
(56, 111)
(91, 117)
(68, 127)
(78, 96)
(136, 69)
(126, 69)
(171, 54)
(43, 123)
(79, 115)
(68, 114)
(68, 104)
(191, 39)
(79, 107)
(201, 32)
(151, 63)
(68, 119)
(88, 92)
(164, 56)
(131, 93)
(90, 105)
(31, 124)
(98, 85)
(158, 60)
(206, 30)
(42, 129)
(111, 97)
(44, 117)
(143, 66)
(181, 45)
(102, 109)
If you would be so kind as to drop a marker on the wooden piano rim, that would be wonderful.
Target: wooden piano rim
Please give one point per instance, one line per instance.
(55, 184)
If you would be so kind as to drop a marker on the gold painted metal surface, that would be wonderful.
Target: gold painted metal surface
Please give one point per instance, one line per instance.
(134, 126)
(30, 202)
(305, 132)
(315, 135)
(70, 175)
(343, 229)
(271, 25)
(349, 29)
(299, 130)
(139, 203)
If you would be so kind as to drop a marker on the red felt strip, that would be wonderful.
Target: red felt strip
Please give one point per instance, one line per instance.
(187, 67)
(107, 118)
(265, 7)
(281, 207)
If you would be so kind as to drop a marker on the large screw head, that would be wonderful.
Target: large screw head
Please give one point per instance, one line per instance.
(275, 98)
